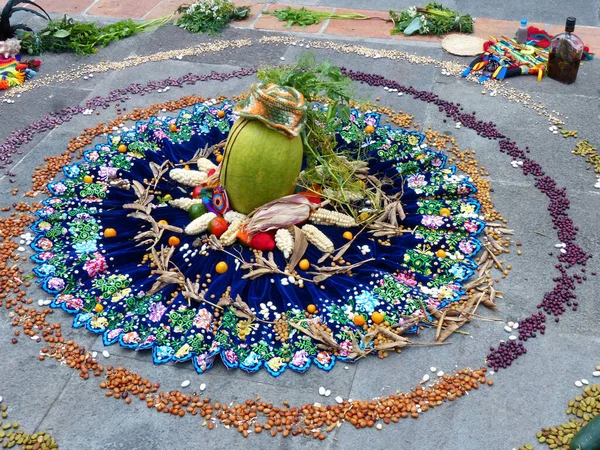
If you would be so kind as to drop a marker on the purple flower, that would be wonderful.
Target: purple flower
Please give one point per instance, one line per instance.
(300, 358)
(466, 247)
(59, 188)
(416, 181)
(107, 172)
(231, 356)
(432, 221)
(57, 284)
(156, 311)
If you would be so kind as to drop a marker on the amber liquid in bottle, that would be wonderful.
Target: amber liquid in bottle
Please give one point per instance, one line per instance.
(565, 55)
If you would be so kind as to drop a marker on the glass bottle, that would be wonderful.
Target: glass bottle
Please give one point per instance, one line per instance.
(565, 55)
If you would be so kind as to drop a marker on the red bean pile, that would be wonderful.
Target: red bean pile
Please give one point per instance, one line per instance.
(505, 354)
(530, 326)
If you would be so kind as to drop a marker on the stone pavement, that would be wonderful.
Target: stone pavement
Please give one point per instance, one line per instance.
(529, 395)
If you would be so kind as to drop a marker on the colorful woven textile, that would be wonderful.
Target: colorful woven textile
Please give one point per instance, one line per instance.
(506, 58)
(279, 107)
(13, 72)
(106, 281)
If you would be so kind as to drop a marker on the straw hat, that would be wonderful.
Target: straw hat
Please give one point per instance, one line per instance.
(463, 45)
(282, 108)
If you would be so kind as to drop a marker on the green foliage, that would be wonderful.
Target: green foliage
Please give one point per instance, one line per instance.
(209, 16)
(84, 38)
(304, 17)
(324, 82)
(434, 18)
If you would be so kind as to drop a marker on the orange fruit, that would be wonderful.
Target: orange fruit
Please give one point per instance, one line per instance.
(110, 232)
(122, 148)
(369, 129)
(221, 267)
(377, 317)
(174, 241)
(186, 167)
(311, 308)
(304, 264)
(347, 235)
(163, 222)
(440, 253)
(363, 216)
(98, 308)
(444, 212)
(359, 320)
(88, 179)
(219, 158)
(172, 128)
(221, 114)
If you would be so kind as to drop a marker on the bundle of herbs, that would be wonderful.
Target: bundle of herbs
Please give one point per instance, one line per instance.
(304, 17)
(84, 38)
(209, 16)
(340, 176)
(434, 18)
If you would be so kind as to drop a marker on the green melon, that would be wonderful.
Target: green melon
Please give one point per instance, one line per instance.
(259, 165)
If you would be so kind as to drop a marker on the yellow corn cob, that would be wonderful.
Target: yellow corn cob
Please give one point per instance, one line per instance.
(185, 203)
(326, 217)
(318, 239)
(191, 178)
(200, 225)
(285, 242)
(229, 237)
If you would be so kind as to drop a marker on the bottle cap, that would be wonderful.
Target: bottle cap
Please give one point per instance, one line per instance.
(570, 24)
(523, 21)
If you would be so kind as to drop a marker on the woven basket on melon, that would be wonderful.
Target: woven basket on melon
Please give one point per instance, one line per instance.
(263, 155)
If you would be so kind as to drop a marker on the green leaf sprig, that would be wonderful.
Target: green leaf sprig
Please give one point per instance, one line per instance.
(84, 38)
(434, 19)
(210, 16)
(305, 17)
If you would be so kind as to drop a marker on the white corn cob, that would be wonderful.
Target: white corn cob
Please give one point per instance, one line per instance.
(200, 224)
(191, 178)
(230, 216)
(185, 203)
(285, 242)
(318, 239)
(324, 216)
(228, 238)
(205, 165)
(348, 196)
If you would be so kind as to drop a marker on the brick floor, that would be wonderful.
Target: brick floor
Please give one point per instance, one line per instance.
(255, 10)
(65, 6)
(372, 28)
(162, 9)
(123, 9)
(266, 22)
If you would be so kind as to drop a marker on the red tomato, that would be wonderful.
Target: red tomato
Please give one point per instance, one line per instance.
(218, 226)
(196, 192)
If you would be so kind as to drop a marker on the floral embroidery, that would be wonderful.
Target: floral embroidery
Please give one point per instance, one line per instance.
(81, 267)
